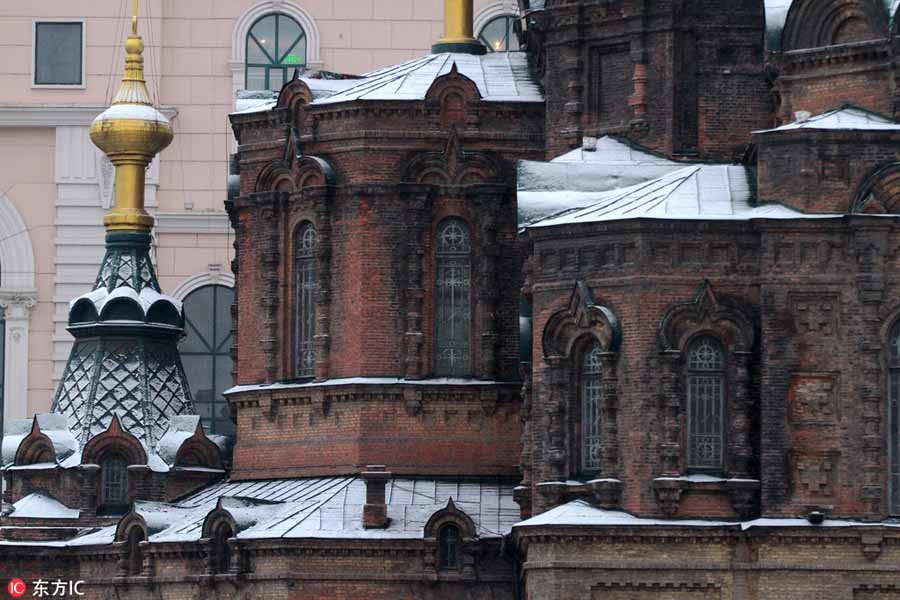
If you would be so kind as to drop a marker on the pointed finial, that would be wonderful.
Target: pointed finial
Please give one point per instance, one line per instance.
(134, 19)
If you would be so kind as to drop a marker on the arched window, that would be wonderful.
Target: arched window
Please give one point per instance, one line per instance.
(135, 555)
(706, 404)
(894, 417)
(275, 44)
(499, 34)
(114, 482)
(305, 241)
(591, 398)
(220, 548)
(206, 354)
(453, 310)
(449, 542)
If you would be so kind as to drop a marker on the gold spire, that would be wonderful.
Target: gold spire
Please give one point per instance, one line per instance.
(131, 132)
(458, 26)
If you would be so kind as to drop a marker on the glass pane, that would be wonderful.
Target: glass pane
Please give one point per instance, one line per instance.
(494, 35)
(705, 355)
(256, 78)
(276, 78)
(255, 53)
(264, 32)
(224, 300)
(289, 33)
(198, 307)
(705, 423)
(198, 368)
(57, 54)
(512, 40)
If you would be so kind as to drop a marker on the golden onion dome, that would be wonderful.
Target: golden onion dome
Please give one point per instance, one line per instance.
(131, 132)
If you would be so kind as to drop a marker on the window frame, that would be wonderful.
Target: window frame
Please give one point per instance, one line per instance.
(34, 49)
(892, 406)
(218, 353)
(588, 346)
(443, 562)
(105, 503)
(510, 19)
(722, 375)
(469, 255)
(300, 261)
(276, 64)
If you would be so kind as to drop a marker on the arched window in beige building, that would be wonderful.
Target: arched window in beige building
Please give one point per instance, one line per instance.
(499, 34)
(276, 43)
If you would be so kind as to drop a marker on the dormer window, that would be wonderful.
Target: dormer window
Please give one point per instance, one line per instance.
(114, 482)
(449, 542)
(220, 548)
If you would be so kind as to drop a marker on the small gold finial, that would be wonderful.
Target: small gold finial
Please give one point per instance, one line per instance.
(131, 132)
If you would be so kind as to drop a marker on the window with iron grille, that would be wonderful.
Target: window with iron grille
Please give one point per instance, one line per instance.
(275, 44)
(448, 547)
(453, 310)
(114, 478)
(894, 417)
(305, 241)
(591, 398)
(706, 404)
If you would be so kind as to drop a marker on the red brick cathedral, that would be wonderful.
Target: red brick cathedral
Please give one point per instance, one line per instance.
(613, 318)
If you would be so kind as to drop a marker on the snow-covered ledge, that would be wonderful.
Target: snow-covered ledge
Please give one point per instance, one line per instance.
(17, 306)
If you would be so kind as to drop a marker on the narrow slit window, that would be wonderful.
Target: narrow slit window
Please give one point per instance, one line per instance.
(591, 399)
(706, 404)
(453, 310)
(305, 242)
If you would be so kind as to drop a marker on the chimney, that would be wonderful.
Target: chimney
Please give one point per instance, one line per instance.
(458, 26)
(375, 509)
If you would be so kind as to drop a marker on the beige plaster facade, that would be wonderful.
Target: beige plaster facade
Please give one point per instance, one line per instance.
(54, 185)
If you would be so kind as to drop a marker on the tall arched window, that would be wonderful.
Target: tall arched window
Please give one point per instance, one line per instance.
(275, 44)
(499, 34)
(305, 241)
(114, 481)
(453, 303)
(591, 397)
(706, 404)
(206, 354)
(449, 541)
(894, 417)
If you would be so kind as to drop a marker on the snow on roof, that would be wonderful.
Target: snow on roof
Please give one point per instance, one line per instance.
(140, 112)
(577, 176)
(53, 426)
(146, 298)
(40, 506)
(847, 117)
(698, 192)
(363, 381)
(579, 513)
(332, 507)
(500, 77)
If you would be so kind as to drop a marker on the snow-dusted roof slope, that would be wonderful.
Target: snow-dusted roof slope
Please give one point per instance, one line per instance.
(332, 507)
(700, 192)
(579, 513)
(847, 117)
(574, 179)
(53, 426)
(41, 506)
(500, 77)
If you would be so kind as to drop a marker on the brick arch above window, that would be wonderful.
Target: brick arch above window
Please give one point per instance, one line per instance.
(880, 192)
(707, 312)
(582, 315)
